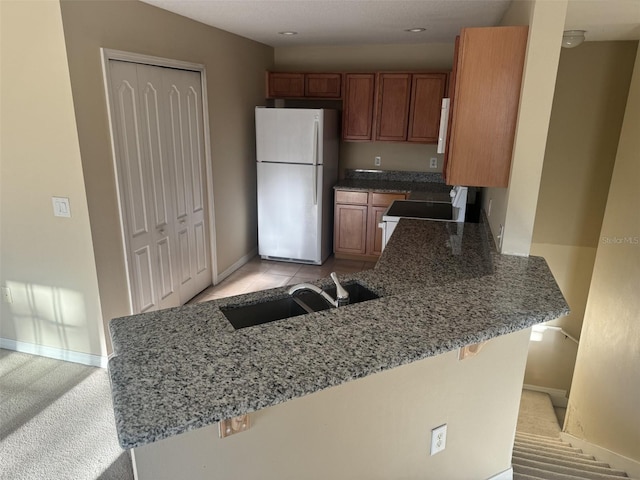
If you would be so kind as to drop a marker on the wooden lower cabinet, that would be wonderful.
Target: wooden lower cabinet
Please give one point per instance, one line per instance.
(357, 215)
(351, 229)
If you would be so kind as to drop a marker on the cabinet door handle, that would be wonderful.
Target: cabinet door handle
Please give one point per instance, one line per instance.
(444, 123)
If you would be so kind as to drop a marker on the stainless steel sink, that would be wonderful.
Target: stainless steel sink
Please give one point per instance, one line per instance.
(242, 316)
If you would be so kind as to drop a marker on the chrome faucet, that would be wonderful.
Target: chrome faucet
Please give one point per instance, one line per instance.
(342, 296)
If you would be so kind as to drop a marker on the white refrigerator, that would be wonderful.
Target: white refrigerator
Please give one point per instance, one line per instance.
(297, 161)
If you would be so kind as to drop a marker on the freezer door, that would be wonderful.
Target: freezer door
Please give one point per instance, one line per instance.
(289, 212)
(286, 135)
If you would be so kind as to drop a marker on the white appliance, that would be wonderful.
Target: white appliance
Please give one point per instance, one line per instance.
(453, 211)
(297, 162)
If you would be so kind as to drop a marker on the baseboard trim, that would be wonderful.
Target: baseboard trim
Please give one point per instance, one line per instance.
(242, 261)
(617, 461)
(558, 397)
(506, 475)
(56, 353)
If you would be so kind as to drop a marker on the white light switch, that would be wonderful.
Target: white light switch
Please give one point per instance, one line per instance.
(61, 207)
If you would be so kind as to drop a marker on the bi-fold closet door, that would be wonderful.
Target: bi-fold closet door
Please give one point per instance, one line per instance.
(158, 132)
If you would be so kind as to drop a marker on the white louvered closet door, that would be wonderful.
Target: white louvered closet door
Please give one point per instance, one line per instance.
(157, 125)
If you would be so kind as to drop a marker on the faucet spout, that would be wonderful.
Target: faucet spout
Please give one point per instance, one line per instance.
(342, 296)
(307, 286)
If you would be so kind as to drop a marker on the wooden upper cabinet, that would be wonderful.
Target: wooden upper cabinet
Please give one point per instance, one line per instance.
(357, 108)
(392, 113)
(322, 85)
(285, 85)
(304, 85)
(427, 92)
(488, 78)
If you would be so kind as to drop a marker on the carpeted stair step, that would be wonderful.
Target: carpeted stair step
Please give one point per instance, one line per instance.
(543, 447)
(543, 438)
(569, 468)
(521, 476)
(585, 459)
(553, 475)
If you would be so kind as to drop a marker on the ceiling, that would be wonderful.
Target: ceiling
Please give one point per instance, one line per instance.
(358, 22)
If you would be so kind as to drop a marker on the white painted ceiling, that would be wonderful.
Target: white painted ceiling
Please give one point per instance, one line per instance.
(357, 22)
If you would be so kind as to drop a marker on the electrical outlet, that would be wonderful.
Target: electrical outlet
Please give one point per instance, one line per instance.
(438, 439)
(489, 207)
(377, 161)
(234, 425)
(61, 207)
(6, 295)
(433, 163)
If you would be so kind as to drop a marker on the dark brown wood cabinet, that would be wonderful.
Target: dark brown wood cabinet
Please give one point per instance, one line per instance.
(484, 105)
(393, 106)
(304, 85)
(409, 106)
(285, 85)
(427, 92)
(357, 107)
(392, 112)
(322, 85)
(357, 215)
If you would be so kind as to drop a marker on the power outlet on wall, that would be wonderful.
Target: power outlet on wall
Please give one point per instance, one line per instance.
(438, 439)
(6, 295)
(433, 163)
(377, 161)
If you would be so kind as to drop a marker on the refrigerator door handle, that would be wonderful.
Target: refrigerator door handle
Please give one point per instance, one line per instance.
(315, 162)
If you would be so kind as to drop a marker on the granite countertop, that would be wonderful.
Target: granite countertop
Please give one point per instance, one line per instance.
(427, 186)
(442, 287)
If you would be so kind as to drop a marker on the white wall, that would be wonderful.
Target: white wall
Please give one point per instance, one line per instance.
(46, 261)
(377, 427)
(579, 158)
(605, 393)
(235, 69)
(514, 207)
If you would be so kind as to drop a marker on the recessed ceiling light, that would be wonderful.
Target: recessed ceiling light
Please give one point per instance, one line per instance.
(415, 30)
(288, 33)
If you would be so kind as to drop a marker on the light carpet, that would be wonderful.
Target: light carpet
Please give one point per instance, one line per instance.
(537, 415)
(56, 422)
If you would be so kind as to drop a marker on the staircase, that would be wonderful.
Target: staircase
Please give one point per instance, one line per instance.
(537, 457)
(540, 454)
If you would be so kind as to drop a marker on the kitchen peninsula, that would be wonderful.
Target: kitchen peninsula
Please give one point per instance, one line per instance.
(323, 385)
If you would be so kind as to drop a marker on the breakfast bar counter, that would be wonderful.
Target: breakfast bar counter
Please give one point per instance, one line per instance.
(442, 286)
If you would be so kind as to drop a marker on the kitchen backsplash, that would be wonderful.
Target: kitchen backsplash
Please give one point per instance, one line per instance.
(393, 175)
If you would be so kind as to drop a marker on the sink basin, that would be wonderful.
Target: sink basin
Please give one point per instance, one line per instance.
(242, 316)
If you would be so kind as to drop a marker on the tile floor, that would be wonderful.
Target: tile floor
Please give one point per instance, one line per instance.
(260, 274)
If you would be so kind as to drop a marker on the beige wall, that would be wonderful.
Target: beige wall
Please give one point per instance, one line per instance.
(47, 261)
(580, 153)
(377, 427)
(235, 74)
(514, 207)
(605, 394)
(371, 58)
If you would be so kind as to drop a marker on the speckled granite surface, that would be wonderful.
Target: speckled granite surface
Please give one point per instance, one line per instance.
(180, 369)
(393, 175)
(429, 186)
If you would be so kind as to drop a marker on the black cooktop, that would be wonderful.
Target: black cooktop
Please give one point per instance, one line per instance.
(420, 209)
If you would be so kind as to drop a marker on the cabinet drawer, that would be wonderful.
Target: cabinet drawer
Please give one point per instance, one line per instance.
(385, 199)
(357, 198)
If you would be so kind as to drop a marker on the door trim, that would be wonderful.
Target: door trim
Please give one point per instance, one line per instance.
(108, 54)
